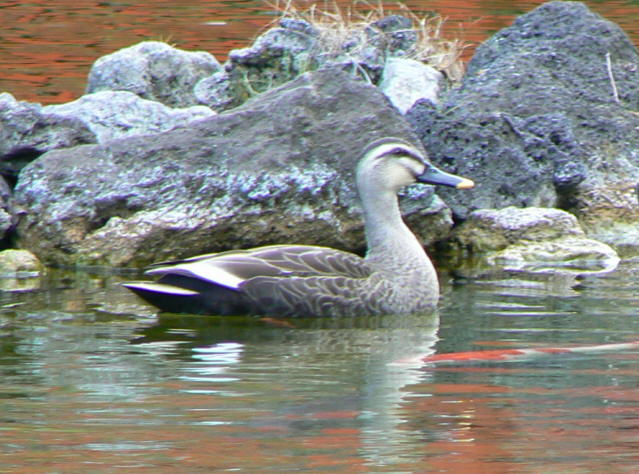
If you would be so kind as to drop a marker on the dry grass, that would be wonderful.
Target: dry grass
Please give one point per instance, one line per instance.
(337, 26)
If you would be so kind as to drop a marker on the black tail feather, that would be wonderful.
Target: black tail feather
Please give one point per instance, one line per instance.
(209, 298)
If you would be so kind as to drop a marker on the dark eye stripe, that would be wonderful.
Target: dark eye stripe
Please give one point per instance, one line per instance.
(387, 146)
(401, 150)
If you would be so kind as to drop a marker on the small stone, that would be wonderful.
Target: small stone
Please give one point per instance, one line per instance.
(17, 261)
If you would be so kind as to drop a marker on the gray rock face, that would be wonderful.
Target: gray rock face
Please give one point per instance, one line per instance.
(278, 169)
(153, 70)
(536, 122)
(115, 114)
(26, 131)
(533, 239)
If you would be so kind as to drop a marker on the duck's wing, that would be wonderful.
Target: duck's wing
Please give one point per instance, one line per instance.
(240, 281)
(231, 269)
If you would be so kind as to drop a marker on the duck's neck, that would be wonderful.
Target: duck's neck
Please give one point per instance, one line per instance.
(391, 244)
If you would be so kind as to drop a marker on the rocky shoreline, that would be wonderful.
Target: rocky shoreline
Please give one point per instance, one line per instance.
(170, 153)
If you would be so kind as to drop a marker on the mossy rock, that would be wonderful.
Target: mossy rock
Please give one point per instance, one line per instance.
(15, 261)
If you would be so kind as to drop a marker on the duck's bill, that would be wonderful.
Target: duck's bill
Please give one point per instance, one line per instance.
(434, 175)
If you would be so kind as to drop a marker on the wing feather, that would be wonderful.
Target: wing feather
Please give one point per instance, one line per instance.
(159, 288)
(313, 296)
(231, 269)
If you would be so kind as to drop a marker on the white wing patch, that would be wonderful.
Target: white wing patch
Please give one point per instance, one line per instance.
(207, 270)
(160, 288)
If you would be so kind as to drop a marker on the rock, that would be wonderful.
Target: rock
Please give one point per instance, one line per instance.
(275, 57)
(282, 53)
(367, 50)
(114, 114)
(533, 240)
(26, 132)
(492, 229)
(535, 122)
(606, 201)
(18, 271)
(563, 255)
(7, 219)
(405, 81)
(155, 71)
(399, 35)
(22, 262)
(277, 169)
(218, 92)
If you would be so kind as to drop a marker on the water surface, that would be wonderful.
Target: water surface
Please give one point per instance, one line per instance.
(91, 379)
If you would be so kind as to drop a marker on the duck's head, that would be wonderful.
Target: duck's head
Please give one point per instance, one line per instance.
(391, 163)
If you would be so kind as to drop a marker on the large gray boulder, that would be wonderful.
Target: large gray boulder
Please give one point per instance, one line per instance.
(536, 121)
(27, 131)
(115, 114)
(155, 71)
(278, 169)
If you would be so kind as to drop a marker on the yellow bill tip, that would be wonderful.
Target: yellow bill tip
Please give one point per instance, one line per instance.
(465, 183)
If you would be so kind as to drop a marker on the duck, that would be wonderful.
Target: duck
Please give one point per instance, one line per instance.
(395, 276)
